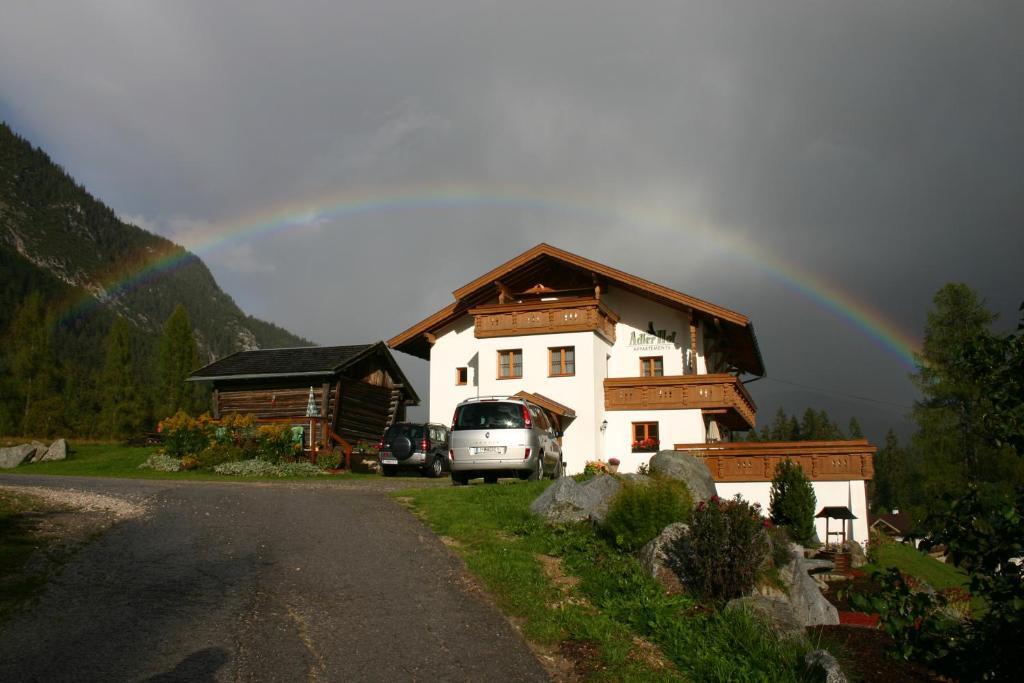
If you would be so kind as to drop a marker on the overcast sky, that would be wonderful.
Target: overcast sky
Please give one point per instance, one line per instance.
(877, 147)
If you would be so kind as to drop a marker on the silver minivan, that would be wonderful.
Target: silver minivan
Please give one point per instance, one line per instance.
(503, 436)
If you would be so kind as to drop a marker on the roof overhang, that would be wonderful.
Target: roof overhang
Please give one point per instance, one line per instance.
(735, 327)
(266, 375)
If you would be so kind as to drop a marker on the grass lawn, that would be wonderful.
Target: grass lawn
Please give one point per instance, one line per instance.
(113, 460)
(574, 593)
(938, 575)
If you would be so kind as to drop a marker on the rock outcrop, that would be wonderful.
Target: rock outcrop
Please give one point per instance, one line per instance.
(803, 592)
(686, 468)
(857, 557)
(16, 455)
(776, 611)
(654, 557)
(822, 665)
(58, 450)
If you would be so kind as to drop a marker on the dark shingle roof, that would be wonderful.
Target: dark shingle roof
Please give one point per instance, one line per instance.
(302, 361)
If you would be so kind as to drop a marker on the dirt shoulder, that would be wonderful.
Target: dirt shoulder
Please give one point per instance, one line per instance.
(41, 528)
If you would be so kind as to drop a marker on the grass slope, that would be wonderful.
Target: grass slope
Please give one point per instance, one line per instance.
(573, 592)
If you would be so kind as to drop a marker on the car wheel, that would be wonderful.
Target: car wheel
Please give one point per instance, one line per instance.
(490, 479)
(537, 473)
(436, 468)
(559, 469)
(459, 479)
(389, 471)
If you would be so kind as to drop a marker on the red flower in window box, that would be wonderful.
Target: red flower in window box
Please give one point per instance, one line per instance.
(648, 444)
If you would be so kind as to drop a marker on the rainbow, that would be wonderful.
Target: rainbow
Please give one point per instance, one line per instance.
(337, 206)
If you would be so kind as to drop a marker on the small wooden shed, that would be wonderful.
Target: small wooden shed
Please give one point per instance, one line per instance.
(358, 391)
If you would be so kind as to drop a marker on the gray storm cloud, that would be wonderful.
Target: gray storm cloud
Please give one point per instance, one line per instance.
(877, 145)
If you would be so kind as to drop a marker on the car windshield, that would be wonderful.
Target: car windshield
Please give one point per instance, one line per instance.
(414, 432)
(489, 416)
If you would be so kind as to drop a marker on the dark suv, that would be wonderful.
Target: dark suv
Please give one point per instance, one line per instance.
(414, 445)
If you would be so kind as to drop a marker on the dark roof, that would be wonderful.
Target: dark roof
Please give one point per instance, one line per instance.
(899, 522)
(836, 512)
(299, 361)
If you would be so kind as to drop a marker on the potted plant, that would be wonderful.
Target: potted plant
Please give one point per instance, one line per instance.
(613, 465)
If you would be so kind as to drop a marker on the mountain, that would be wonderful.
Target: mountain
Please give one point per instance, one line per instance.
(58, 239)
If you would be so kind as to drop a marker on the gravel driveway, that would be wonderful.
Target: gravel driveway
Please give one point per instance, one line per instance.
(276, 582)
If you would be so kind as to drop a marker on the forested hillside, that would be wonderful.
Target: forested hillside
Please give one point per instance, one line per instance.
(63, 254)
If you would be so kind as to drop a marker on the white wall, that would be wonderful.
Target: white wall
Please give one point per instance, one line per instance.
(845, 493)
(674, 426)
(636, 313)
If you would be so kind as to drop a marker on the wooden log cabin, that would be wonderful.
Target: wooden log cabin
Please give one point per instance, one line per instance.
(358, 391)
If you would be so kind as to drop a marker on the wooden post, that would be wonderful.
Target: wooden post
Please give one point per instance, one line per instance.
(216, 404)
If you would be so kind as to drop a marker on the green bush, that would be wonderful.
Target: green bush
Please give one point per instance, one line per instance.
(274, 443)
(779, 541)
(329, 459)
(793, 501)
(185, 435)
(640, 511)
(721, 554)
(218, 453)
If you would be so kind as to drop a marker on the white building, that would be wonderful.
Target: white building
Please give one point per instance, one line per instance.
(628, 365)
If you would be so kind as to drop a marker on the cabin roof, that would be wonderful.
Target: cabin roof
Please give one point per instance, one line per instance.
(519, 273)
(300, 361)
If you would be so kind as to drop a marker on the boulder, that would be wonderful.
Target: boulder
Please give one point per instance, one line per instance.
(822, 665)
(40, 453)
(654, 558)
(805, 596)
(686, 468)
(779, 613)
(15, 455)
(599, 493)
(857, 557)
(564, 501)
(58, 450)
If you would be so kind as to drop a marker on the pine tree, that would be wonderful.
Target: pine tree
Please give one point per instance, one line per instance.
(792, 502)
(177, 355)
(123, 410)
(853, 431)
(34, 373)
(890, 475)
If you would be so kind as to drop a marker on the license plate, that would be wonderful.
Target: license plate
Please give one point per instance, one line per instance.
(388, 461)
(488, 449)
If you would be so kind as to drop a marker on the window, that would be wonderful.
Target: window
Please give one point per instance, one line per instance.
(461, 376)
(510, 364)
(645, 437)
(489, 415)
(652, 366)
(562, 361)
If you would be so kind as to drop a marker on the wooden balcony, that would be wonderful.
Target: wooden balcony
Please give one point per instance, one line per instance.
(756, 461)
(545, 317)
(721, 395)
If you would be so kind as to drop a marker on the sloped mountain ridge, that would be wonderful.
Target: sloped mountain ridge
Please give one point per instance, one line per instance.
(54, 224)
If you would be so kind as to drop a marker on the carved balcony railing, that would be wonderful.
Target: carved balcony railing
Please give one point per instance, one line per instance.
(545, 317)
(757, 460)
(722, 395)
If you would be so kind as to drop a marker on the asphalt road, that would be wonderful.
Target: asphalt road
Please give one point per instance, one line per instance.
(221, 582)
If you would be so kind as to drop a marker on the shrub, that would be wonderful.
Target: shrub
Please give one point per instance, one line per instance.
(185, 435)
(275, 443)
(161, 463)
(643, 468)
(329, 459)
(640, 511)
(779, 541)
(793, 502)
(262, 468)
(595, 467)
(189, 462)
(217, 453)
(719, 557)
